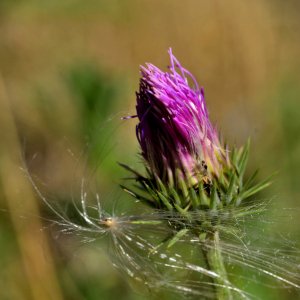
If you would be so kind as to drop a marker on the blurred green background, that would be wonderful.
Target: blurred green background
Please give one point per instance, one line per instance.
(68, 66)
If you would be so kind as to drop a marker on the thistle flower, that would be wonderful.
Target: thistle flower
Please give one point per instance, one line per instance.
(188, 172)
(174, 130)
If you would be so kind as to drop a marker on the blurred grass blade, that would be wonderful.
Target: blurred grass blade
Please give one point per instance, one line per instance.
(155, 248)
(247, 213)
(146, 222)
(176, 238)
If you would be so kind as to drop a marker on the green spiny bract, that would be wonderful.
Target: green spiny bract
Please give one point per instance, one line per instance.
(205, 207)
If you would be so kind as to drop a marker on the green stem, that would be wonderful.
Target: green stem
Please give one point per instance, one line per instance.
(214, 261)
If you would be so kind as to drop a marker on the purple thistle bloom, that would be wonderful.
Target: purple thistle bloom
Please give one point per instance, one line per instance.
(174, 131)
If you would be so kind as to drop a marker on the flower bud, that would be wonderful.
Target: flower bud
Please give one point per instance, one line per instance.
(174, 131)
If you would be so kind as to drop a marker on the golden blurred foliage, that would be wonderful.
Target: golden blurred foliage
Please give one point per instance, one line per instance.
(242, 52)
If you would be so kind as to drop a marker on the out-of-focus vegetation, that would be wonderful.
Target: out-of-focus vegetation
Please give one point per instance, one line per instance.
(68, 67)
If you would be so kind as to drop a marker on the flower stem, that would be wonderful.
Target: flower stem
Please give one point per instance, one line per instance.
(214, 261)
